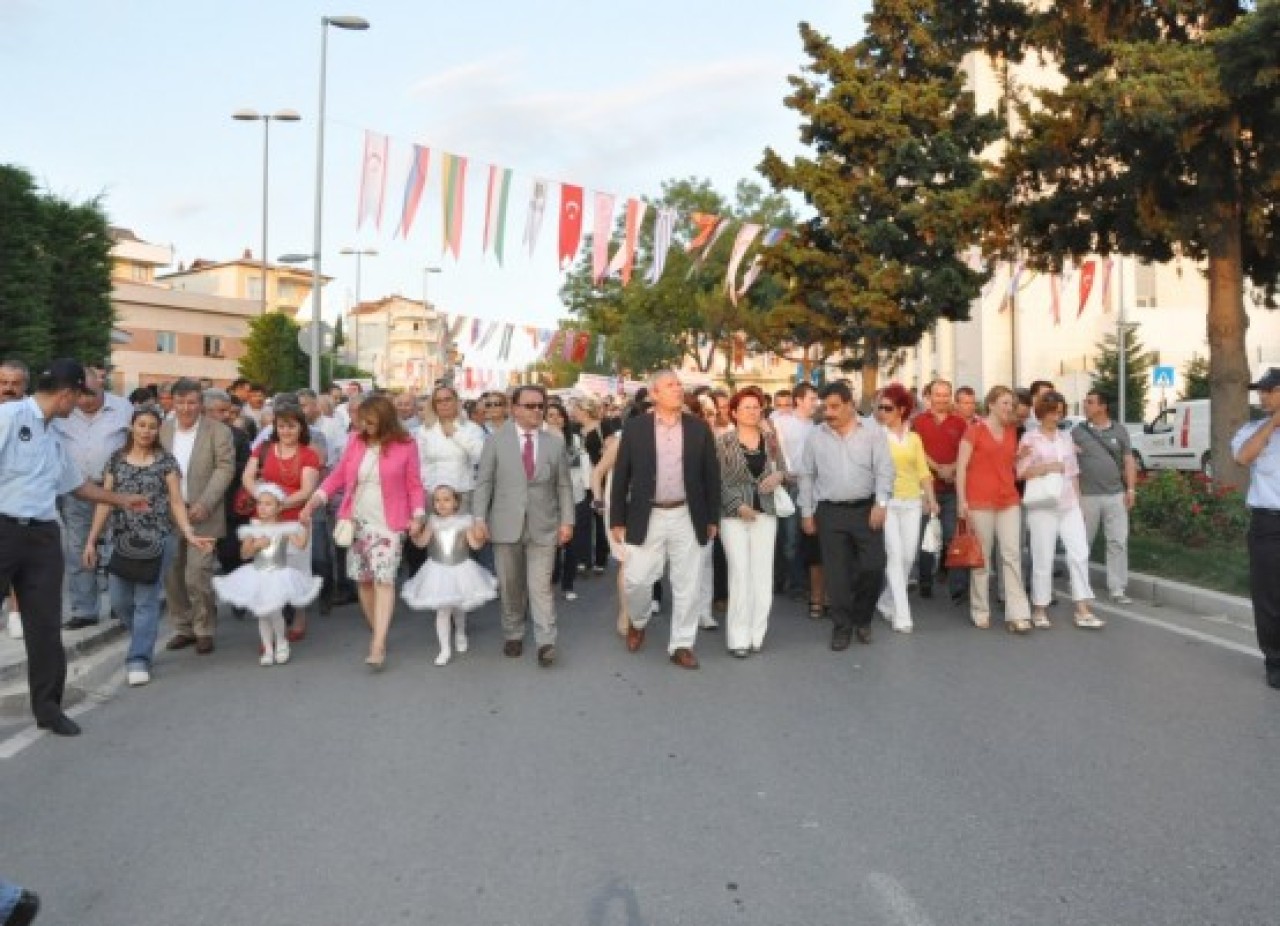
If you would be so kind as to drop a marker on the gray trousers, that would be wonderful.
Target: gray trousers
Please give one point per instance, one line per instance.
(1109, 513)
(524, 582)
(83, 595)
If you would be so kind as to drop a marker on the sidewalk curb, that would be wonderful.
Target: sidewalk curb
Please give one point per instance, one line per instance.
(93, 657)
(1191, 598)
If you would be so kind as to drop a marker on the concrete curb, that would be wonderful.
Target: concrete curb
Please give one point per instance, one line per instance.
(93, 657)
(1190, 598)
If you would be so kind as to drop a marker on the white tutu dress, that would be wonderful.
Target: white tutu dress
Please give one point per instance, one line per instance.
(450, 578)
(268, 583)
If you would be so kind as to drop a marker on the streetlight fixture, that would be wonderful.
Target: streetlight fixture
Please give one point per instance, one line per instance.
(359, 254)
(355, 24)
(426, 307)
(252, 115)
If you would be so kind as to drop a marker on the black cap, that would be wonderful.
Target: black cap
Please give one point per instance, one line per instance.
(1270, 380)
(63, 373)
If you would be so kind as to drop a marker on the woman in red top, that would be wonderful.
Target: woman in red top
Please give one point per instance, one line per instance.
(288, 460)
(987, 499)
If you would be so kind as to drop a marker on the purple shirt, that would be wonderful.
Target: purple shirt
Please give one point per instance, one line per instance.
(669, 440)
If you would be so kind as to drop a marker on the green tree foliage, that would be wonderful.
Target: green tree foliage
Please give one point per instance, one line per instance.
(1195, 378)
(687, 313)
(1138, 364)
(894, 176)
(1162, 142)
(55, 274)
(272, 356)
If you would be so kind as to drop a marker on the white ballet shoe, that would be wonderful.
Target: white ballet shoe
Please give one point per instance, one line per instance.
(443, 658)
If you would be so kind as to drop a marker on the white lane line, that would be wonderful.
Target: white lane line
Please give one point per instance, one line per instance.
(1197, 635)
(896, 902)
(24, 738)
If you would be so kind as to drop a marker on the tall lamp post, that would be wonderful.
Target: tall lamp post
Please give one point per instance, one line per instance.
(354, 23)
(252, 115)
(426, 305)
(359, 254)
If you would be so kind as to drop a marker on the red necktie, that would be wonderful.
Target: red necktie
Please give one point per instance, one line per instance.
(527, 455)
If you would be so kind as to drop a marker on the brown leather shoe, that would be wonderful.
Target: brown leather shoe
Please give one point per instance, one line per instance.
(684, 658)
(180, 641)
(840, 639)
(635, 637)
(204, 645)
(863, 634)
(512, 649)
(546, 656)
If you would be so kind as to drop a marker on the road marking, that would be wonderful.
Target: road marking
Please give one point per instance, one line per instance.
(1197, 635)
(897, 903)
(24, 738)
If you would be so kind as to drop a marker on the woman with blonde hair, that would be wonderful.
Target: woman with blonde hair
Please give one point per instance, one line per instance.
(987, 500)
(381, 481)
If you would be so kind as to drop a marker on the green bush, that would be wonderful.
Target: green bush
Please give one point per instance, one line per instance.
(1189, 509)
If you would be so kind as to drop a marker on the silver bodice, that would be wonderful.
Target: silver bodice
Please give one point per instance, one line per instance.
(448, 545)
(274, 556)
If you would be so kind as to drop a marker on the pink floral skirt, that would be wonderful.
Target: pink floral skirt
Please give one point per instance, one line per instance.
(374, 555)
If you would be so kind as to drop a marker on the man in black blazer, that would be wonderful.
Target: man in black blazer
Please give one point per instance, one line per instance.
(664, 505)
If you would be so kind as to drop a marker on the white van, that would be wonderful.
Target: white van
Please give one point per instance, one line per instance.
(1178, 437)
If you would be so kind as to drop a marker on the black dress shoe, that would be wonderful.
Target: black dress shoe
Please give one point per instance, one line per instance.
(80, 623)
(25, 910)
(926, 589)
(61, 725)
(546, 656)
(1273, 678)
(512, 649)
(840, 639)
(863, 634)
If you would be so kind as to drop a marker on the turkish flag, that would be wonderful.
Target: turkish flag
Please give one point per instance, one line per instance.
(570, 223)
(581, 343)
(1087, 273)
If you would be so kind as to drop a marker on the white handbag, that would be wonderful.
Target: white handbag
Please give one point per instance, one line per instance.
(344, 532)
(1043, 491)
(783, 506)
(931, 542)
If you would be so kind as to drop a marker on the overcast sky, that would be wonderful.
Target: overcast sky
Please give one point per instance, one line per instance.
(132, 100)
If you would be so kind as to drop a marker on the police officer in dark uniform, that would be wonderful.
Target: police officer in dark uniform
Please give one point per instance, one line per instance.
(34, 470)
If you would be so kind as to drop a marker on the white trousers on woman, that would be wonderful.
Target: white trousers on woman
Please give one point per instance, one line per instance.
(1046, 525)
(901, 543)
(748, 549)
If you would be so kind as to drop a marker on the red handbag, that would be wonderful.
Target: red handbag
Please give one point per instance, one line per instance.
(243, 504)
(965, 549)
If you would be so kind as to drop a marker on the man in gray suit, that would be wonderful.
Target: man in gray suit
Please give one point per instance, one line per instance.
(523, 503)
(207, 458)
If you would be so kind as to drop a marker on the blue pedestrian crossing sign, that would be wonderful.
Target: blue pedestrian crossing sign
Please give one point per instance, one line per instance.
(1162, 377)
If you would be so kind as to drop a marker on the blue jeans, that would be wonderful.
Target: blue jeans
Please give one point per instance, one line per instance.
(789, 565)
(82, 584)
(139, 608)
(957, 579)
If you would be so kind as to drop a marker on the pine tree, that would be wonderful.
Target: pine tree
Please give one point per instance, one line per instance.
(26, 330)
(894, 176)
(1195, 378)
(1138, 364)
(272, 355)
(78, 249)
(1163, 141)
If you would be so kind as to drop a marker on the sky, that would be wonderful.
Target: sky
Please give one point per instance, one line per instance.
(131, 100)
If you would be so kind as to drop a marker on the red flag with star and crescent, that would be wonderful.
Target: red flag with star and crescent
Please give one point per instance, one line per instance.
(570, 223)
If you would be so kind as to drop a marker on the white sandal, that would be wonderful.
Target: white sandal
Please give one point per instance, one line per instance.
(1089, 622)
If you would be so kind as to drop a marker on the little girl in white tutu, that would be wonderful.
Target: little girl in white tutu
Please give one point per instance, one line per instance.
(268, 583)
(450, 581)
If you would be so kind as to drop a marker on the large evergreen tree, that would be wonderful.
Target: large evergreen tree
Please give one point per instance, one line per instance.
(272, 355)
(26, 328)
(1138, 362)
(893, 175)
(1162, 142)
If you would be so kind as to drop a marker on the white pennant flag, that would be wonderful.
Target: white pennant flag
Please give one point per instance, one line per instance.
(601, 233)
(533, 219)
(373, 178)
(746, 235)
(663, 227)
(623, 257)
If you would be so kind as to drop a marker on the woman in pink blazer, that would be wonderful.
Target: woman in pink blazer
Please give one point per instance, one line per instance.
(381, 483)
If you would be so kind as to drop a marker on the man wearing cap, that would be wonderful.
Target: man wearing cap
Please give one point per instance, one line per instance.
(1257, 446)
(35, 469)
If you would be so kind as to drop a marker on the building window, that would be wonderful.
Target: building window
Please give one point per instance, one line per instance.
(212, 346)
(287, 291)
(253, 287)
(139, 273)
(166, 342)
(1144, 285)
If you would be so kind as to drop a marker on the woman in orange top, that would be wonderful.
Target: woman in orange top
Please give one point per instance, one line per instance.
(987, 499)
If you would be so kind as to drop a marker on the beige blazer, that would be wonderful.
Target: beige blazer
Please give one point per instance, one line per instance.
(509, 503)
(213, 466)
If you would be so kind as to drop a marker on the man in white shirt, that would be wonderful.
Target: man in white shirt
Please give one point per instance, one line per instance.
(96, 428)
(793, 426)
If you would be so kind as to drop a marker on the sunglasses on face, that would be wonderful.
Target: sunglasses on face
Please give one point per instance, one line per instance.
(886, 408)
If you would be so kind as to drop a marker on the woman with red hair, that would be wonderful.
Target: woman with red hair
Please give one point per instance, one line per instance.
(912, 494)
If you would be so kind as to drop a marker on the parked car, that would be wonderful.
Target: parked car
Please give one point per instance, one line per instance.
(1177, 438)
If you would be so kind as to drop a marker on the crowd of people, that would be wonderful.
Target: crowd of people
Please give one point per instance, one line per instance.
(191, 498)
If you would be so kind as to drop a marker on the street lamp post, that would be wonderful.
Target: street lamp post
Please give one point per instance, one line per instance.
(252, 115)
(354, 23)
(359, 254)
(426, 305)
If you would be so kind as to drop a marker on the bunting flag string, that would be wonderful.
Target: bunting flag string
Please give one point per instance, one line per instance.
(373, 178)
(746, 235)
(601, 232)
(504, 346)
(495, 213)
(1087, 272)
(533, 218)
(1055, 298)
(705, 225)
(414, 184)
(624, 258)
(1106, 285)
(570, 223)
(771, 238)
(664, 224)
(453, 190)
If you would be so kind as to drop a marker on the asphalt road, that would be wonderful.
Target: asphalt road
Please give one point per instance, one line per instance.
(950, 777)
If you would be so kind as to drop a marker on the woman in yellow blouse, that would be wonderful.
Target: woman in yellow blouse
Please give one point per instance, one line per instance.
(912, 494)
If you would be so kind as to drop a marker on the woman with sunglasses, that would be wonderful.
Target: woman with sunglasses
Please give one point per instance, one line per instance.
(912, 494)
(449, 449)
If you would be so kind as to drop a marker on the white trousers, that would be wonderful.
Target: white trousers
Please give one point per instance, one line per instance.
(748, 550)
(670, 541)
(1046, 525)
(901, 544)
(706, 582)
